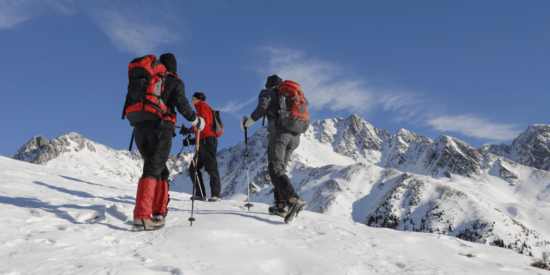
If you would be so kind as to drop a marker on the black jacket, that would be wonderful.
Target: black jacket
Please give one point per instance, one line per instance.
(268, 104)
(174, 96)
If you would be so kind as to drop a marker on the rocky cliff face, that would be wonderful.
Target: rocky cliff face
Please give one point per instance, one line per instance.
(352, 137)
(39, 150)
(530, 148)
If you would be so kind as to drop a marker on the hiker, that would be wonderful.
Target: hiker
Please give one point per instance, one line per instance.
(208, 148)
(154, 131)
(281, 143)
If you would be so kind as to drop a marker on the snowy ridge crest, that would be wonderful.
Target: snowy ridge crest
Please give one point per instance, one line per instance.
(39, 150)
(75, 153)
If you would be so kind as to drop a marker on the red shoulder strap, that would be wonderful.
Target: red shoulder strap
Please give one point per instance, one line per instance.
(169, 73)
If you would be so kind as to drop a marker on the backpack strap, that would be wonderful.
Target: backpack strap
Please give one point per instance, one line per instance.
(213, 120)
(172, 74)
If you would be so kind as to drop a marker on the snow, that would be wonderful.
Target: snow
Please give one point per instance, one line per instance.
(44, 231)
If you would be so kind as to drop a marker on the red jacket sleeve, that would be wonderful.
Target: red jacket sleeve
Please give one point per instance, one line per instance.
(204, 111)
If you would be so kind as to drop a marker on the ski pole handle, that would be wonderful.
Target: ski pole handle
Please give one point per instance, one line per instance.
(245, 132)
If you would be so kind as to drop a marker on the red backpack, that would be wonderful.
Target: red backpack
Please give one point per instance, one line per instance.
(146, 77)
(293, 113)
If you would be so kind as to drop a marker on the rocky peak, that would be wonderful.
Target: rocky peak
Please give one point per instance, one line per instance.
(25, 153)
(532, 147)
(407, 137)
(352, 137)
(448, 155)
(359, 139)
(503, 150)
(403, 150)
(40, 151)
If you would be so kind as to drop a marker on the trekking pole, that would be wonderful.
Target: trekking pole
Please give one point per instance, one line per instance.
(246, 161)
(196, 174)
(131, 143)
(191, 219)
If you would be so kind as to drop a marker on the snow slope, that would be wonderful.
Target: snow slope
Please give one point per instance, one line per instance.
(348, 168)
(45, 231)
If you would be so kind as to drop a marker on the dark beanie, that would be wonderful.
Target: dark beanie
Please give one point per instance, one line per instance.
(199, 96)
(273, 81)
(169, 61)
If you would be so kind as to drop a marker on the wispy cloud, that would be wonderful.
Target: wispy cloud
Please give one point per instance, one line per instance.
(137, 28)
(475, 127)
(234, 106)
(67, 7)
(13, 13)
(331, 87)
(133, 31)
(328, 86)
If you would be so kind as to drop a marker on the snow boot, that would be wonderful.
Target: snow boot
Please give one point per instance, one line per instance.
(159, 217)
(146, 225)
(296, 205)
(279, 209)
(198, 198)
(214, 199)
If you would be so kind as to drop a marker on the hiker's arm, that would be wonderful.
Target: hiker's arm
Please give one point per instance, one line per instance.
(263, 103)
(182, 104)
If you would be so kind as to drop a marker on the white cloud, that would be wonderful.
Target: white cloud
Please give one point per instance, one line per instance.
(475, 127)
(67, 7)
(328, 86)
(234, 106)
(13, 13)
(134, 32)
(138, 28)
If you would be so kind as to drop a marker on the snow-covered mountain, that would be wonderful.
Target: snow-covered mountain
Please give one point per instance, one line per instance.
(75, 153)
(348, 168)
(58, 221)
(531, 148)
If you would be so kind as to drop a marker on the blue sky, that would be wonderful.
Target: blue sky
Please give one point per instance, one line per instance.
(475, 70)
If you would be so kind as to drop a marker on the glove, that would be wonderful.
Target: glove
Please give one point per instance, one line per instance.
(186, 131)
(198, 123)
(187, 143)
(247, 122)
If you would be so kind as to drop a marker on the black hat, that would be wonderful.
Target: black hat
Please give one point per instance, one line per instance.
(199, 96)
(273, 81)
(169, 61)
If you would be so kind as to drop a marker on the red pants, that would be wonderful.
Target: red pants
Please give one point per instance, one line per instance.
(152, 197)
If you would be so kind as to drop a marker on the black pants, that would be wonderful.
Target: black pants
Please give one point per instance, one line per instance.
(208, 147)
(281, 145)
(154, 150)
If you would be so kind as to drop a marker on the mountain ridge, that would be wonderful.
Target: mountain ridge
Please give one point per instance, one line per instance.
(347, 167)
